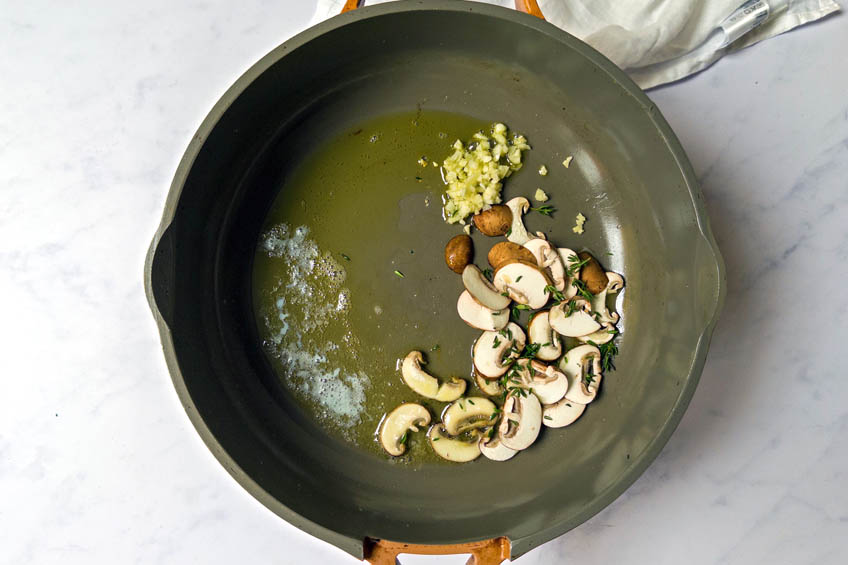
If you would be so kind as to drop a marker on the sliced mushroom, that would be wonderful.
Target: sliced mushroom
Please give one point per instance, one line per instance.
(600, 337)
(518, 233)
(482, 290)
(540, 332)
(491, 387)
(427, 385)
(582, 366)
(524, 283)
(452, 449)
(469, 413)
(562, 413)
(521, 421)
(599, 304)
(592, 274)
(548, 259)
(492, 448)
(546, 382)
(569, 258)
(491, 349)
(398, 423)
(508, 252)
(478, 316)
(494, 221)
(579, 322)
(616, 282)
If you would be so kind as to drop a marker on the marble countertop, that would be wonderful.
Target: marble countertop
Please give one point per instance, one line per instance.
(98, 461)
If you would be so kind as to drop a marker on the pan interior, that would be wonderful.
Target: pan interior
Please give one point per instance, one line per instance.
(485, 66)
(349, 276)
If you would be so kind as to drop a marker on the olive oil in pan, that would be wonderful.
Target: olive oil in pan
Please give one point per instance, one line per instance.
(350, 276)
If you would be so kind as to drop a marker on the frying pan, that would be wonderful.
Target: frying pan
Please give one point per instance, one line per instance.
(631, 176)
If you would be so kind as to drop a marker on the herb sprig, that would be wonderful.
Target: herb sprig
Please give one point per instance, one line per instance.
(544, 210)
(575, 264)
(517, 308)
(555, 294)
(582, 290)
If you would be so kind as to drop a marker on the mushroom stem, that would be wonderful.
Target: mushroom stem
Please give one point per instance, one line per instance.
(518, 233)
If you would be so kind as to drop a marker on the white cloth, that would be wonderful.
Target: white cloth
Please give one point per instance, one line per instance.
(655, 41)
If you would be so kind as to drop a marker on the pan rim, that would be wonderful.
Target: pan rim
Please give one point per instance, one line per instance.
(519, 546)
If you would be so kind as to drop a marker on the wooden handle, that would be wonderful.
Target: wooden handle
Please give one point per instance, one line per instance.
(527, 6)
(351, 5)
(487, 552)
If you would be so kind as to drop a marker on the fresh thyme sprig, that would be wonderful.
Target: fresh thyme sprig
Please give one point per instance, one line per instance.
(544, 210)
(575, 264)
(517, 308)
(582, 290)
(555, 294)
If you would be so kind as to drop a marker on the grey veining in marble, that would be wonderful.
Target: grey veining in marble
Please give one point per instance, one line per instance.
(98, 462)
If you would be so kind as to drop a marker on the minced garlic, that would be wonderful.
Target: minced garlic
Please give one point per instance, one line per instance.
(567, 161)
(543, 170)
(540, 195)
(581, 219)
(474, 173)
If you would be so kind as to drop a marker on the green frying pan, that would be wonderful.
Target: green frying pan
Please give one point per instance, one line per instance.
(491, 63)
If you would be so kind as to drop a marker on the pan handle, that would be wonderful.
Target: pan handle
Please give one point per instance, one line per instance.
(527, 6)
(487, 552)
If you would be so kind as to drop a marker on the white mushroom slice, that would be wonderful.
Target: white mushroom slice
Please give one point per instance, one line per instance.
(492, 387)
(491, 349)
(540, 332)
(524, 283)
(582, 366)
(517, 233)
(562, 413)
(600, 337)
(478, 316)
(450, 448)
(492, 448)
(569, 257)
(579, 322)
(482, 290)
(521, 421)
(547, 382)
(548, 260)
(400, 421)
(469, 413)
(427, 385)
(615, 283)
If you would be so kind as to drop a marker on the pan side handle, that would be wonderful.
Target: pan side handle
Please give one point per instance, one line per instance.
(527, 6)
(487, 552)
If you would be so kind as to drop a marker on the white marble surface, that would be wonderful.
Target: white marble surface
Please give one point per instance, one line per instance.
(98, 462)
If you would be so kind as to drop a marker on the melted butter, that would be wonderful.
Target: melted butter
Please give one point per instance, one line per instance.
(308, 296)
(333, 316)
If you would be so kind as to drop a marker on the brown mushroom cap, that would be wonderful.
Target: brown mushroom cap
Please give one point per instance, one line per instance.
(592, 273)
(494, 221)
(506, 252)
(459, 252)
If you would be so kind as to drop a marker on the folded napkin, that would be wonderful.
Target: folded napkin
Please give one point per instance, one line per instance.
(660, 41)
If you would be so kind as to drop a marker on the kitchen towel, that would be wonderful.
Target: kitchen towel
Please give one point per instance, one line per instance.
(660, 41)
